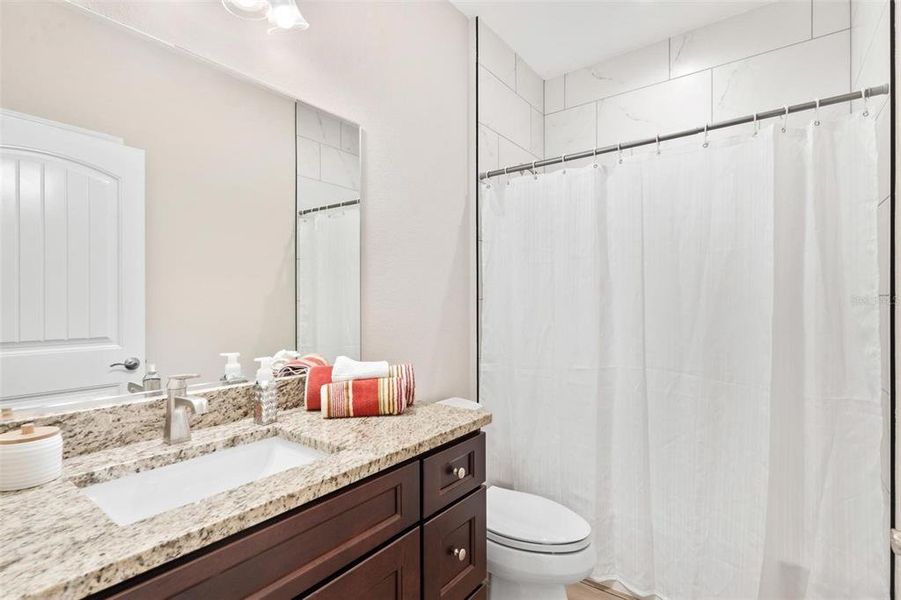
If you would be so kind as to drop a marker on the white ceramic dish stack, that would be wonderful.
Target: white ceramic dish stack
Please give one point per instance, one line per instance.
(30, 456)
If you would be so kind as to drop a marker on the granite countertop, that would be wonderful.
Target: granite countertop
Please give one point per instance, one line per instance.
(58, 543)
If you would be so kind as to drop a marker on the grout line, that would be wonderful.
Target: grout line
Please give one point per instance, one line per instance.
(710, 68)
(500, 135)
(669, 58)
(504, 83)
(811, 19)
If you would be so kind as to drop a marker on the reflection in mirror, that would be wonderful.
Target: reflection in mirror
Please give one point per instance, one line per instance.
(149, 206)
(328, 234)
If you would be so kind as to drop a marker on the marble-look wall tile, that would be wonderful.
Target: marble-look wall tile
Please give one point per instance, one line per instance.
(553, 94)
(496, 56)
(503, 111)
(488, 141)
(767, 28)
(885, 341)
(340, 168)
(885, 221)
(570, 130)
(312, 193)
(866, 16)
(814, 69)
(529, 86)
(350, 138)
(308, 158)
(537, 147)
(510, 154)
(830, 16)
(668, 107)
(884, 147)
(318, 126)
(871, 50)
(630, 71)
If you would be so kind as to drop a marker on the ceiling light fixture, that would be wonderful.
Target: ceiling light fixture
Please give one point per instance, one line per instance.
(254, 10)
(284, 15)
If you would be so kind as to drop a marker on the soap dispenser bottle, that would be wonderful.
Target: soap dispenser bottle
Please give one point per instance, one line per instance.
(151, 381)
(233, 373)
(265, 402)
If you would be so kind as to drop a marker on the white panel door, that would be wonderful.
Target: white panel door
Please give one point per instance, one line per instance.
(71, 260)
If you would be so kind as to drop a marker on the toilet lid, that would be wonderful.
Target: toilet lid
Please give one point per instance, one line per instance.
(530, 522)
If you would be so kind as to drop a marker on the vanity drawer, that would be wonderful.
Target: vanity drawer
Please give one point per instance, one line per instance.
(390, 574)
(287, 557)
(454, 550)
(481, 593)
(441, 473)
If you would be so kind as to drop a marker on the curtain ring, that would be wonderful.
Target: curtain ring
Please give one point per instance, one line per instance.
(866, 102)
(619, 150)
(784, 118)
(563, 162)
(816, 119)
(706, 143)
(657, 137)
(534, 172)
(756, 124)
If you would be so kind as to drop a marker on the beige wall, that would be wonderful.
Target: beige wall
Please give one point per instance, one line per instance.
(220, 175)
(400, 70)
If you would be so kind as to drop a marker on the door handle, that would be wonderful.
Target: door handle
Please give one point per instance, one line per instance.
(129, 363)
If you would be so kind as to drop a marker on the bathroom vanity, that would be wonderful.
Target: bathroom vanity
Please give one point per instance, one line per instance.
(394, 508)
(417, 530)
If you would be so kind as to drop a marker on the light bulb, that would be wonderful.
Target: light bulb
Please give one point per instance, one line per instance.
(284, 14)
(247, 9)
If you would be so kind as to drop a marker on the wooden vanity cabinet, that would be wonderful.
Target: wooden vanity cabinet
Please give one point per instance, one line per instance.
(414, 531)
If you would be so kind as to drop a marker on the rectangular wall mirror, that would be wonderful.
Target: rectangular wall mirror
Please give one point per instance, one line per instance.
(158, 210)
(328, 234)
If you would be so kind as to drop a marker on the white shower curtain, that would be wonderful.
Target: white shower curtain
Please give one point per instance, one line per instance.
(683, 348)
(328, 283)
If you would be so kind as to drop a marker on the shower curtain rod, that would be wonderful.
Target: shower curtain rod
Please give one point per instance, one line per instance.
(768, 114)
(308, 211)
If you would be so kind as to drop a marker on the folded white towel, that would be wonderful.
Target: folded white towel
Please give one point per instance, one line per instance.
(346, 369)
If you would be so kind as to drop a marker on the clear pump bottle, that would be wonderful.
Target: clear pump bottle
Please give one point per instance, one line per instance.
(265, 404)
(233, 372)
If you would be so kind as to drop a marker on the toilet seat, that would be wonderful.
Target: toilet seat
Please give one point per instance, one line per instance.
(528, 522)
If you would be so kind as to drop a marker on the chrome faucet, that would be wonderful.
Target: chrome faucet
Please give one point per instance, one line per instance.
(178, 427)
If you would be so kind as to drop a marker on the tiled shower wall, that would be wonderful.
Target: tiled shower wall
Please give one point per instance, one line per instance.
(328, 158)
(783, 53)
(511, 106)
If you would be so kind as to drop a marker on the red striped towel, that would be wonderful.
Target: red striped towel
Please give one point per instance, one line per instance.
(317, 378)
(364, 397)
(405, 371)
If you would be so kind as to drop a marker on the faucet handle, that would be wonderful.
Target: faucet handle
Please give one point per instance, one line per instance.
(178, 381)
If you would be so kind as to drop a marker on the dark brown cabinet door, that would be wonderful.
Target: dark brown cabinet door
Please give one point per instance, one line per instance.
(450, 474)
(291, 555)
(390, 574)
(481, 593)
(453, 550)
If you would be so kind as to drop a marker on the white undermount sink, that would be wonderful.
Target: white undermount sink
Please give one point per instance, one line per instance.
(135, 497)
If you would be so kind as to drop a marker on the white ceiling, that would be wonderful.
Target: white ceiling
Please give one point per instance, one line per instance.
(555, 37)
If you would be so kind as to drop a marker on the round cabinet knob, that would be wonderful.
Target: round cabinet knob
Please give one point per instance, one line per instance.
(460, 473)
(460, 553)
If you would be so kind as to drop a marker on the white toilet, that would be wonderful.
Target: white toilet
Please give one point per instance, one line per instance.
(535, 546)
